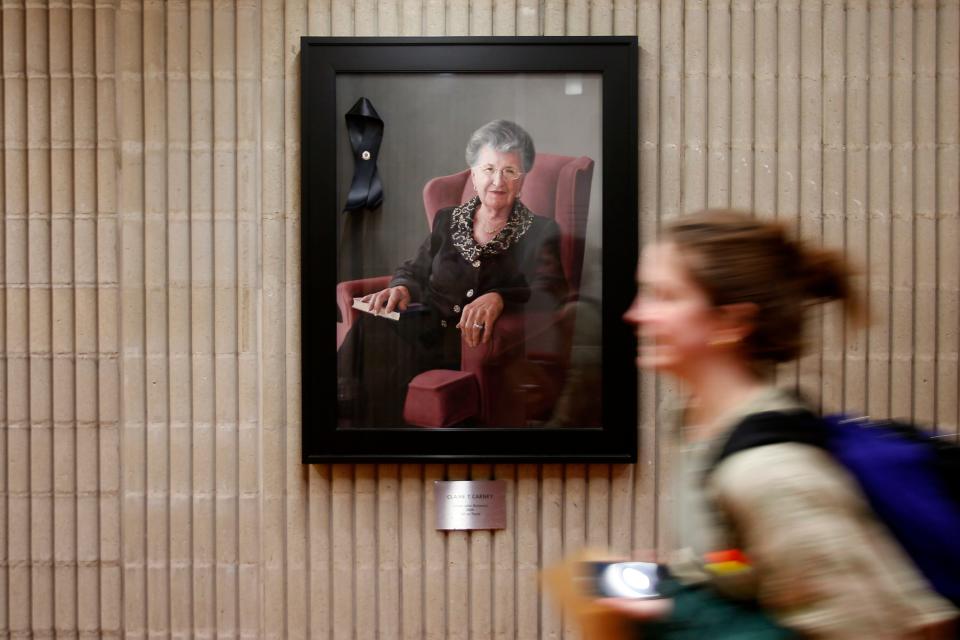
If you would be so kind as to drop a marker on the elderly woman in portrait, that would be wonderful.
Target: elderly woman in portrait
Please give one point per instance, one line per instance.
(483, 258)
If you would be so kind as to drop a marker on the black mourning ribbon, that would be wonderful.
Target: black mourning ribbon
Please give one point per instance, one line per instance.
(365, 129)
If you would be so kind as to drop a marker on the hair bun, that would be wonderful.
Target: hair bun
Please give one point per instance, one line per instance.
(826, 275)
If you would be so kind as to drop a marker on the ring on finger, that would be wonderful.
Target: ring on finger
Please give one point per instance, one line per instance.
(477, 325)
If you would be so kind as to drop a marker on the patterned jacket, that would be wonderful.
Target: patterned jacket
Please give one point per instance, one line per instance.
(820, 561)
(522, 263)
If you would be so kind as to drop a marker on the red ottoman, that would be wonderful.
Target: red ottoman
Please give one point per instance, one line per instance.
(441, 397)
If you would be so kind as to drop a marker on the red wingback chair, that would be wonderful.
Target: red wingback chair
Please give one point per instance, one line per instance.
(518, 373)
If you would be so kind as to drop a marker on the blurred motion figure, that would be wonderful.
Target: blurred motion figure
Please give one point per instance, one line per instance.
(722, 301)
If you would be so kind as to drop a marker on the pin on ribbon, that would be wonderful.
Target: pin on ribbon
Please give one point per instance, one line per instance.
(365, 130)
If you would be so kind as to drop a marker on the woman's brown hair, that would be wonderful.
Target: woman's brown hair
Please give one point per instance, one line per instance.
(737, 258)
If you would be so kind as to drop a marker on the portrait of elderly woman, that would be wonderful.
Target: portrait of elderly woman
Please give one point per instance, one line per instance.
(474, 290)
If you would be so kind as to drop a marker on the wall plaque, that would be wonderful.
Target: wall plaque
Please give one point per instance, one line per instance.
(471, 504)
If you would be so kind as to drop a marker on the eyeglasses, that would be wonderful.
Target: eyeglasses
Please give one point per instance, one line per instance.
(508, 173)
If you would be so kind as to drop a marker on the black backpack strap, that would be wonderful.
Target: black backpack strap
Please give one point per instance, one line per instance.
(775, 427)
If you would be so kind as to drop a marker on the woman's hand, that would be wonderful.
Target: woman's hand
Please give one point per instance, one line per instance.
(388, 299)
(640, 609)
(478, 317)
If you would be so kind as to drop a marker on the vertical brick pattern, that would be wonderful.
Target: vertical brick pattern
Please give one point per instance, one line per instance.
(175, 112)
(149, 317)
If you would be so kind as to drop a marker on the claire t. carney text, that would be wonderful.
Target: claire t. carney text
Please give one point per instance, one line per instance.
(470, 496)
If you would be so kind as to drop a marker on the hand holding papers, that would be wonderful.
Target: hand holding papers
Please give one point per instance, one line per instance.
(358, 303)
(414, 307)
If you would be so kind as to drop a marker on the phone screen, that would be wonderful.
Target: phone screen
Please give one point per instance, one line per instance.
(622, 579)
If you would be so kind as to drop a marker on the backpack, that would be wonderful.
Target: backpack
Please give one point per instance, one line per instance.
(911, 480)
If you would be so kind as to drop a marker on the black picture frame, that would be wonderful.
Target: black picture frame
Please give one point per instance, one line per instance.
(323, 61)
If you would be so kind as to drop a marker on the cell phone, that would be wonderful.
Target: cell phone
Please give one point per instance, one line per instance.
(622, 579)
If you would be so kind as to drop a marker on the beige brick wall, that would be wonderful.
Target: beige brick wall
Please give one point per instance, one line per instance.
(149, 387)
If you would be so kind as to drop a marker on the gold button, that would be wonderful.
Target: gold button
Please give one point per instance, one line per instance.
(456, 308)
(476, 264)
(470, 293)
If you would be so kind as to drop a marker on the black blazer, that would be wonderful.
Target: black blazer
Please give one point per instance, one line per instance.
(527, 275)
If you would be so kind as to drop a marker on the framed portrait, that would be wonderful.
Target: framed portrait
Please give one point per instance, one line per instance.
(469, 240)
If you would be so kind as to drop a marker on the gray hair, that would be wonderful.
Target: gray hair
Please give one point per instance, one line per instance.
(503, 136)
